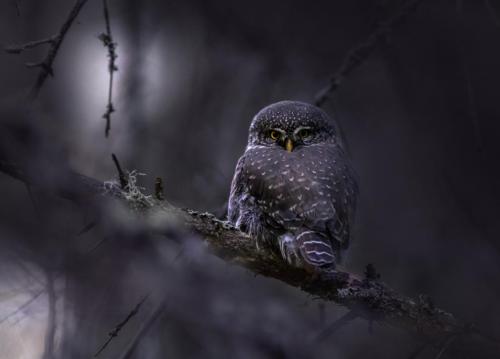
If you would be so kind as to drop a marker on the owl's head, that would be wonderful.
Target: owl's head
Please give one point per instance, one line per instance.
(291, 125)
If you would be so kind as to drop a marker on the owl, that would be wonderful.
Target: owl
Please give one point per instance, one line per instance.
(294, 189)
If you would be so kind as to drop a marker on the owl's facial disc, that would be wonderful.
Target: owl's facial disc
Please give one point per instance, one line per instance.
(303, 124)
(298, 136)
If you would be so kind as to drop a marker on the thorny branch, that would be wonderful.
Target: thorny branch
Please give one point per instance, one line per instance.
(55, 41)
(369, 298)
(110, 44)
(114, 333)
(362, 51)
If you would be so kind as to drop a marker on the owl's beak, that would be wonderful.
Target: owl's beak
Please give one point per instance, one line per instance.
(289, 145)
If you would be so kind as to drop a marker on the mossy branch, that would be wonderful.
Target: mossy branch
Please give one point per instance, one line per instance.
(365, 296)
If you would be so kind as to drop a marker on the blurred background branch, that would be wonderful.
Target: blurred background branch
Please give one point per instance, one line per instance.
(110, 44)
(55, 41)
(359, 53)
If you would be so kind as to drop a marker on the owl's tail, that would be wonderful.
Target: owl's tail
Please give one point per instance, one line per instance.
(308, 248)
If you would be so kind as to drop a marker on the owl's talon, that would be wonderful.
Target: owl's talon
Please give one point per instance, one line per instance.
(289, 249)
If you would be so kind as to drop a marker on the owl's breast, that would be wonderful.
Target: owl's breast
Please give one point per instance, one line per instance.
(297, 186)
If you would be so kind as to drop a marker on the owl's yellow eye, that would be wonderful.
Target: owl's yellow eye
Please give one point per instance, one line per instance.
(274, 135)
(304, 133)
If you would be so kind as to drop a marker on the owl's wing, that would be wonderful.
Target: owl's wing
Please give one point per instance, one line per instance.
(324, 203)
(237, 190)
(242, 209)
(344, 193)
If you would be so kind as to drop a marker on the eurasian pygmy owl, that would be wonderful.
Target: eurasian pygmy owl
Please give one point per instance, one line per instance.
(294, 190)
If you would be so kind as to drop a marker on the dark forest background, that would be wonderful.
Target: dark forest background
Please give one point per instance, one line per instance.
(420, 115)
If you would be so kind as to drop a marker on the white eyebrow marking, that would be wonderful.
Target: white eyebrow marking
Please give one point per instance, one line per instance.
(301, 128)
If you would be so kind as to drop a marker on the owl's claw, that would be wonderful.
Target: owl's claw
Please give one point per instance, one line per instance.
(289, 249)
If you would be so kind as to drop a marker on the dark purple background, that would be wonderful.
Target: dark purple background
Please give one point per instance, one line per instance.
(420, 117)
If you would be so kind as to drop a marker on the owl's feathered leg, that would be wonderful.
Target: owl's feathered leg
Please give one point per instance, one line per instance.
(316, 249)
(309, 249)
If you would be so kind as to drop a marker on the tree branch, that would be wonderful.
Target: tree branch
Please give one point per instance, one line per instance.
(145, 328)
(50, 332)
(17, 49)
(368, 298)
(110, 44)
(114, 333)
(23, 306)
(359, 53)
(121, 174)
(55, 42)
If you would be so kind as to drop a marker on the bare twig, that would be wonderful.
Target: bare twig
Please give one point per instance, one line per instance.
(121, 174)
(336, 325)
(97, 245)
(55, 42)
(110, 44)
(23, 306)
(446, 344)
(362, 51)
(114, 333)
(46, 64)
(86, 228)
(145, 328)
(17, 49)
(50, 332)
(159, 189)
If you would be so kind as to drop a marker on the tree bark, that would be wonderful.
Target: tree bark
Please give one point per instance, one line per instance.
(368, 298)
